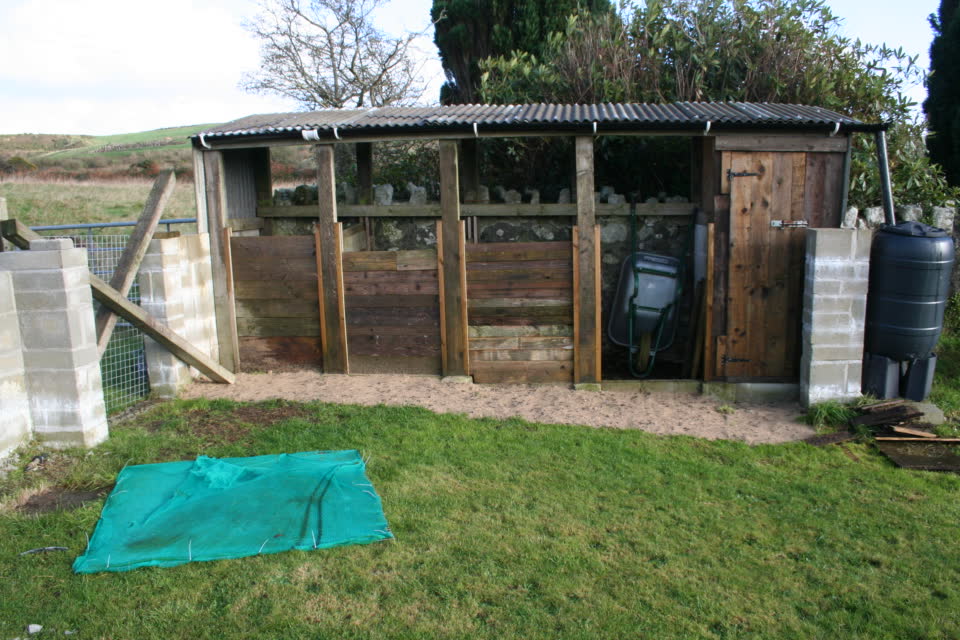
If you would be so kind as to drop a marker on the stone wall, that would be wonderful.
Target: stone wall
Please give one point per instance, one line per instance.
(834, 311)
(176, 288)
(54, 311)
(17, 425)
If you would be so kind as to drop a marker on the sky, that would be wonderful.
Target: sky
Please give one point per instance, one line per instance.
(100, 67)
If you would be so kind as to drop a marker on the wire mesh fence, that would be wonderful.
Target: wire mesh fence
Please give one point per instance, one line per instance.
(123, 366)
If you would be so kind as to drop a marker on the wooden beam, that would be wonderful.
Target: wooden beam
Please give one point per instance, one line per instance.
(575, 244)
(469, 154)
(18, 233)
(364, 173)
(178, 346)
(587, 292)
(454, 292)
(199, 188)
(768, 142)
(126, 271)
(216, 204)
(335, 358)
(483, 210)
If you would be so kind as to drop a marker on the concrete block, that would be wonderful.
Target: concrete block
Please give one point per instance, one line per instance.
(854, 287)
(832, 337)
(51, 244)
(832, 243)
(830, 305)
(766, 392)
(21, 260)
(48, 279)
(823, 286)
(828, 353)
(863, 242)
(832, 374)
(59, 359)
(831, 322)
(54, 299)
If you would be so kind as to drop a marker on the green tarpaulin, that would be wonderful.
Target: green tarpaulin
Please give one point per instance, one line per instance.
(162, 515)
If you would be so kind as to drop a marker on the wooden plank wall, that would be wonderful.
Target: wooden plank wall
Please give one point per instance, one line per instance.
(520, 310)
(278, 317)
(393, 311)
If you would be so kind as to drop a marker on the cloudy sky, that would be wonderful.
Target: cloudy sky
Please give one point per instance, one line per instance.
(115, 66)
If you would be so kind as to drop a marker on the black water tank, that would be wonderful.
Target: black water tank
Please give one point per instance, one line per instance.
(910, 265)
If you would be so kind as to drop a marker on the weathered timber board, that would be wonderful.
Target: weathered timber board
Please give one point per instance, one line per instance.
(532, 331)
(278, 327)
(520, 355)
(517, 251)
(278, 353)
(501, 265)
(391, 300)
(522, 372)
(388, 345)
(394, 317)
(252, 308)
(411, 365)
(276, 290)
(280, 270)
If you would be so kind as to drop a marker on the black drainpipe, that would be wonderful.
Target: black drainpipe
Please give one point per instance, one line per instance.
(886, 191)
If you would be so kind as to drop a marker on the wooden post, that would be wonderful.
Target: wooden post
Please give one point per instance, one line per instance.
(199, 187)
(469, 155)
(4, 215)
(136, 247)
(216, 201)
(364, 173)
(454, 293)
(588, 293)
(708, 339)
(263, 183)
(335, 359)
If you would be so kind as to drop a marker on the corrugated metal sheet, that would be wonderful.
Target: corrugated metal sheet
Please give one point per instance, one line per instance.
(537, 117)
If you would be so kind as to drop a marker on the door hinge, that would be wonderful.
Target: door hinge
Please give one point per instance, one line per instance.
(731, 174)
(790, 224)
(727, 359)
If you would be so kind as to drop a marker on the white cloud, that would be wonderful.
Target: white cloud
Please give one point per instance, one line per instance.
(113, 66)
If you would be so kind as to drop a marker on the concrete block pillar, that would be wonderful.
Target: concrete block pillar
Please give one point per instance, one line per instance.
(161, 279)
(834, 312)
(16, 427)
(55, 311)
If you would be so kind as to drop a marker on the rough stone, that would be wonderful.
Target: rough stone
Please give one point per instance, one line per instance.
(850, 217)
(677, 199)
(943, 218)
(418, 195)
(874, 217)
(909, 212)
(564, 197)
(616, 198)
(483, 194)
(383, 194)
(499, 194)
(512, 197)
(532, 196)
(346, 193)
(652, 200)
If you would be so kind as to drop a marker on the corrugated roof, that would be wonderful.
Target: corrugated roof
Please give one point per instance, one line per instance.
(492, 119)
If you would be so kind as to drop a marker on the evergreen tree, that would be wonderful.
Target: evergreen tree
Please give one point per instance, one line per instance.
(467, 31)
(943, 90)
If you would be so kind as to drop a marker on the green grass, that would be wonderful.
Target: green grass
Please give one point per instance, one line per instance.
(507, 529)
(69, 202)
(51, 146)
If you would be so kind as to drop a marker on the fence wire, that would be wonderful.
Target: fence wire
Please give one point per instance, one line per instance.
(123, 366)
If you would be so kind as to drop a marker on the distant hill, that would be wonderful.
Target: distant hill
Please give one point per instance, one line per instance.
(99, 156)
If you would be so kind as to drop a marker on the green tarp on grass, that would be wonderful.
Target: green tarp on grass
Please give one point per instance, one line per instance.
(163, 515)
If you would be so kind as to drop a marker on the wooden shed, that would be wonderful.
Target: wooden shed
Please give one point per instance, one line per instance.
(512, 311)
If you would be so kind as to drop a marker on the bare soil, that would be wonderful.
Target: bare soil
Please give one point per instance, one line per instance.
(662, 413)
(57, 499)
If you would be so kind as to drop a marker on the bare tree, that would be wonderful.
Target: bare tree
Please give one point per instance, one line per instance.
(329, 54)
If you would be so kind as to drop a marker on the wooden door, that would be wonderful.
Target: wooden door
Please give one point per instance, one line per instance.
(766, 266)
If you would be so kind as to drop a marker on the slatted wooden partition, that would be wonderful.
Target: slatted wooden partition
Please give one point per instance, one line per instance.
(278, 318)
(520, 310)
(392, 311)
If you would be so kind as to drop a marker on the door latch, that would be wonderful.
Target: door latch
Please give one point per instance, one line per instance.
(790, 224)
(727, 359)
(731, 174)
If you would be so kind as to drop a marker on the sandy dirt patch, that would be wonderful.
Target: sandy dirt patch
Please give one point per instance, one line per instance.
(663, 413)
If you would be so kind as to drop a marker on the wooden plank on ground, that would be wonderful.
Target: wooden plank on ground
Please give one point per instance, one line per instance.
(914, 432)
(170, 340)
(893, 415)
(125, 272)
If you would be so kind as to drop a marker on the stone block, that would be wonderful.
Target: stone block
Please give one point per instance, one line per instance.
(850, 218)
(835, 352)
(943, 218)
(909, 212)
(874, 217)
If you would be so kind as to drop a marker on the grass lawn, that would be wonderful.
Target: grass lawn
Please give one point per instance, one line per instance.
(507, 529)
(69, 202)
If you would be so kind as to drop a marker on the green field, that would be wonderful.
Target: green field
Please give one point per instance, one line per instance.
(507, 529)
(53, 147)
(70, 202)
